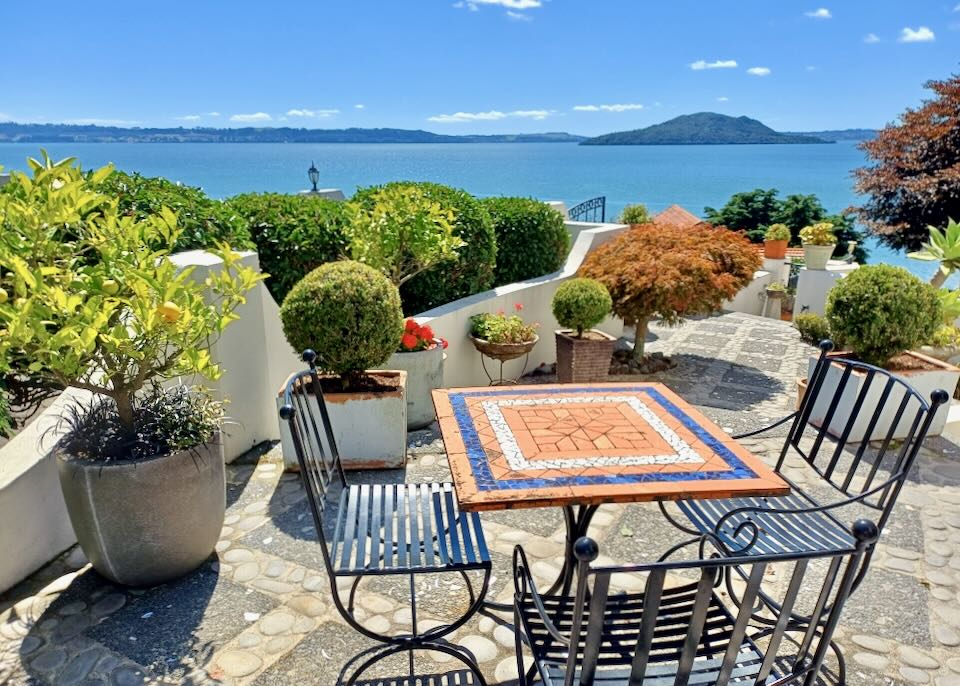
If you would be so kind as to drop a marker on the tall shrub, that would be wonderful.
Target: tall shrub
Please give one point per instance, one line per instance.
(656, 270)
(294, 234)
(531, 238)
(472, 271)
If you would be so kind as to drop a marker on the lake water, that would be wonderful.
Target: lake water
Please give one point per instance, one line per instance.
(693, 176)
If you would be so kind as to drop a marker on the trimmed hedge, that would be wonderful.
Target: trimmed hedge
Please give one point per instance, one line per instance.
(204, 221)
(348, 313)
(472, 271)
(812, 327)
(294, 234)
(581, 304)
(531, 238)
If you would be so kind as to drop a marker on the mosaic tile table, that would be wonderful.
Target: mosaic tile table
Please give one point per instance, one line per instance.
(579, 446)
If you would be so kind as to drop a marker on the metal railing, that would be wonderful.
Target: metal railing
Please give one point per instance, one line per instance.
(589, 210)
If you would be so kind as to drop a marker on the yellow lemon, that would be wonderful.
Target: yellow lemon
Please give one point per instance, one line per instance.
(169, 311)
(110, 287)
(4, 296)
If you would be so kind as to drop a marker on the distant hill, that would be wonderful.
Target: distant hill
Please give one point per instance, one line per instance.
(702, 128)
(839, 135)
(70, 133)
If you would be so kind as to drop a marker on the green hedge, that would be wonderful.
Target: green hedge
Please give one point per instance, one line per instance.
(205, 221)
(6, 424)
(294, 234)
(472, 271)
(531, 238)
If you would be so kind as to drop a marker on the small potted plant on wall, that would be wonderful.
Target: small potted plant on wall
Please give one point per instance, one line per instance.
(421, 356)
(501, 337)
(583, 353)
(97, 304)
(818, 242)
(880, 312)
(346, 317)
(775, 241)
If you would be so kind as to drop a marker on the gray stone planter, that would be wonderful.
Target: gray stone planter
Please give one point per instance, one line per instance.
(146, 522)
(424, 373)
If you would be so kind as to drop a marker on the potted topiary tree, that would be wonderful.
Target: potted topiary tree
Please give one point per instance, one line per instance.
(656, 270)
(818, 242)
(583, 353)
(881, 312)
(346, 317)
(97, 304)
(775, 241)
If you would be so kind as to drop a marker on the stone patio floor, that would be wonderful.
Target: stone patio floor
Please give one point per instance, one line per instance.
(259, 612)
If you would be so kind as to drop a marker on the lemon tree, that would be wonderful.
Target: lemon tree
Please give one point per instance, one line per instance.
(88, 304)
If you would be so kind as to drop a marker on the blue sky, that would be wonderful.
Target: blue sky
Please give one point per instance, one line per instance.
(480, 66)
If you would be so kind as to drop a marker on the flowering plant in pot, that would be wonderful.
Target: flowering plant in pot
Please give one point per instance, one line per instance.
(502, 337)
(346, 318)
(96, 303)
(421, 356)
(818, 242)
(583, 353)
(775, 241)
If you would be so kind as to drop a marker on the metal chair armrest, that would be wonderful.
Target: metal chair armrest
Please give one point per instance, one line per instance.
(523, 585)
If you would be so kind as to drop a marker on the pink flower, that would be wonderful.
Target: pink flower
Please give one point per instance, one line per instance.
(518, 306)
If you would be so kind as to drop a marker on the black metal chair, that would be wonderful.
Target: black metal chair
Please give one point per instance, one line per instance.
(798, 522)
(382, 529)
(680, 631)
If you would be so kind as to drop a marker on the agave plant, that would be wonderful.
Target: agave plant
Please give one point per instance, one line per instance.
(944, 247)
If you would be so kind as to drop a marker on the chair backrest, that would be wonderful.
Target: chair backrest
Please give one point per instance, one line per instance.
(311, 433)
(857, 403)
(681, 631)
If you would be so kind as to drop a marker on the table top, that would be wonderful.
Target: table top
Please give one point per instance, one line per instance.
(564, 444)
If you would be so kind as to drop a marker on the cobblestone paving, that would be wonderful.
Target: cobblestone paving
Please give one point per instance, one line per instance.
(258, 612)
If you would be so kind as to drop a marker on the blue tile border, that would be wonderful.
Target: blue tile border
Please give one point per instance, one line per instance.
(486, 482)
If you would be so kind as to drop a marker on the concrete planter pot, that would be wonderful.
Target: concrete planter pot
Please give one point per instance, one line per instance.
(924, 381)
(370, 428)
(146, 522)
(817, 256)
(581, 360)
(424, 370)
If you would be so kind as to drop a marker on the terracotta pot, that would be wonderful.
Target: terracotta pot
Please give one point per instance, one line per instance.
(503, 351)
(775, 250)
(580, 360)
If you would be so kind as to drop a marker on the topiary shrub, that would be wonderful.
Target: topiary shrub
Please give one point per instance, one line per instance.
(294, 234)
(880, 311)
(204, 222)
(581, 304)
(634, 214)
(812, 327)
(531, 238)
(472, 271)
(349, 314)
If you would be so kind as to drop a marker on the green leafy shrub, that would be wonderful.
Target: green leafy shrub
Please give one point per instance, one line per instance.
(472, 271)
(402, 233)
(812, 327)
(946, 337)
(634, 214)
(6, 423)
(777, 232)
(349, 314)
(581, 304)
(820, 233)
(880, 311)
(203, 221)
(531, 238)
(294, 234)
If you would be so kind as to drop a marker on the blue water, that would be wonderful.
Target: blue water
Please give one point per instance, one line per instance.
(692, 176)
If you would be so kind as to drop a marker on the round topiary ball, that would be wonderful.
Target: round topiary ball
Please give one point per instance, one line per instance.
(348, 313)
(880, 311)
(581, 304)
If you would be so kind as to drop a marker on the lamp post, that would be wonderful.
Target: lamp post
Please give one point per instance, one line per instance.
(314, 175)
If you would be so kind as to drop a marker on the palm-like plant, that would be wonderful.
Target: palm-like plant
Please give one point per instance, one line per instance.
(943, 247)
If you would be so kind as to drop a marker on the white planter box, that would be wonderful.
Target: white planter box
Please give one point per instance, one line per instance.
(424, 373)
(370, 428)
(924, 382)
(817, 256)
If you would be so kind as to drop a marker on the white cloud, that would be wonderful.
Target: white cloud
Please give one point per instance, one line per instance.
(492, 115)
(608, 108)
(820, 13)
(468, 5)
(213, 114)
(188, 117)
(97, 121)
(810, 67)
(723, 98)
(312, 114)
(921, 34)
(359, 106)
(871, 38)
(509, 4)
(700, 65)
(251, 118)
(957, 8)
(518, 16)
(5, 117)
(759, 71)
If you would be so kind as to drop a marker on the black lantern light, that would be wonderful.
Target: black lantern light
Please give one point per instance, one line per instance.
(314, 175)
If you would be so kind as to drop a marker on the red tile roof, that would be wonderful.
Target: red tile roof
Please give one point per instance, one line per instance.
(677, 216)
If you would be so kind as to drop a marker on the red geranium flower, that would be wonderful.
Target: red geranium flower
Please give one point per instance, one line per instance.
(411, 326)
(426, 333)
(409, 341)
(443, 342)
(518, 306)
